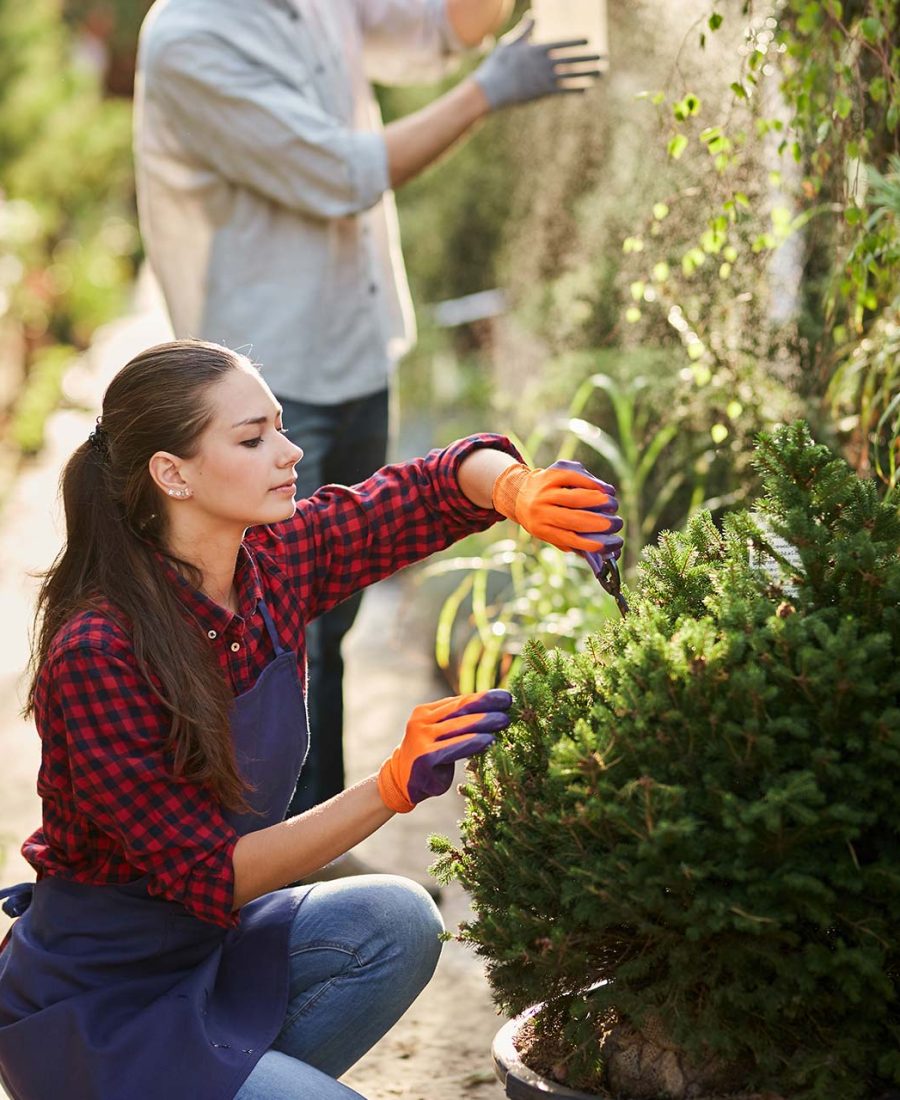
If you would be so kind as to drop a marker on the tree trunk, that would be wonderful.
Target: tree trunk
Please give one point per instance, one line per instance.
(646, 1064)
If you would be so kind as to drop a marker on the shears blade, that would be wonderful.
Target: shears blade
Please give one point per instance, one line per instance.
(611, 581)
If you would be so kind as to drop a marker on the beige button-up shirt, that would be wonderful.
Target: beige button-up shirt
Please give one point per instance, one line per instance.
(263, 185)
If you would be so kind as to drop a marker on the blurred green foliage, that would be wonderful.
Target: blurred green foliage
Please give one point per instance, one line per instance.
(865, 385)
(39, 397)
(701, 259)
(816, 91)
(116, 22)
(68, 241)
(454, 215)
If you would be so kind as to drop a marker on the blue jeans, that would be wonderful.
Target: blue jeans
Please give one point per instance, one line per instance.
(362, 949)
(342, 444)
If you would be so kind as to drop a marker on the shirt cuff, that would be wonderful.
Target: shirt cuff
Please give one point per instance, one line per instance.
(206, 888)
(367, 159)
(455, 500)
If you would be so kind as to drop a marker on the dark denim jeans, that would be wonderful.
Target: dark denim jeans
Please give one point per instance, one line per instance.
(342, 444)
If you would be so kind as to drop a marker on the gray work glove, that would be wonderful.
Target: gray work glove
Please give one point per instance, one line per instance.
(518, 71)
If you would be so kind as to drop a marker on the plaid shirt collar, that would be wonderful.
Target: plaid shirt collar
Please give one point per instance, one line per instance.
(208, 614)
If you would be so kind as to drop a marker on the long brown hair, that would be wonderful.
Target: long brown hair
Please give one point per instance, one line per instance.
(115, 526)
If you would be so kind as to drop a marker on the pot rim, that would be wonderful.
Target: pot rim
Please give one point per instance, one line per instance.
(520, 1082)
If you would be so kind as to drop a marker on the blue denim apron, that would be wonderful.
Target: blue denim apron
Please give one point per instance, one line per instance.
(107, 993)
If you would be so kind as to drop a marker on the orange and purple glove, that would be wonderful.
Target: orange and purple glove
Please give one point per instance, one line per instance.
(437, 735)
(563, 505)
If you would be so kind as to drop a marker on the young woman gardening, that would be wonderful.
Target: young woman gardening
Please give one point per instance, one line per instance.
(157, 957)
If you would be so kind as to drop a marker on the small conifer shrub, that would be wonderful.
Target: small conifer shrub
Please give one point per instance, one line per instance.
(701, 811)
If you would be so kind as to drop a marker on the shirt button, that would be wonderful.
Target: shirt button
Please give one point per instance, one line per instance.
(235, 646)
(211, 634)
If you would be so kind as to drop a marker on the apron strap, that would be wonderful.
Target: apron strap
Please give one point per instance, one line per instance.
(270, 627)
(18, 898)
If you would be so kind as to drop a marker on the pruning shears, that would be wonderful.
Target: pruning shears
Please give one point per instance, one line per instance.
(602, 560)
(607, 573)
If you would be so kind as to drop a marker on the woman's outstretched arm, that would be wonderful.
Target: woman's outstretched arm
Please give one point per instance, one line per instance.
(437, 736)
(268, 859)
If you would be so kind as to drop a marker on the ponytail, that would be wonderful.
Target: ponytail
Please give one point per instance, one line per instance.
(115, 530)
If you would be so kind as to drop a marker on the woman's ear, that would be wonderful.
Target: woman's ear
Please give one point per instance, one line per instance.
(165, 469)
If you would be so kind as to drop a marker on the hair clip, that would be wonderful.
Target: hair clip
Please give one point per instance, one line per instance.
(99, 440)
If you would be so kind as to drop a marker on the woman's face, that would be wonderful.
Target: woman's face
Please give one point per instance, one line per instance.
(243, 471)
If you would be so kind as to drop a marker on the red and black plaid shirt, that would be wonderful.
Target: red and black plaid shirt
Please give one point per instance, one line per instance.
(112, 809)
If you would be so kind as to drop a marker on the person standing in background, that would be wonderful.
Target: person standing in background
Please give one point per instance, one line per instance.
(265, 189)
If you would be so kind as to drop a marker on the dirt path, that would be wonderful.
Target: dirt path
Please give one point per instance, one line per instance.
(441, 1049)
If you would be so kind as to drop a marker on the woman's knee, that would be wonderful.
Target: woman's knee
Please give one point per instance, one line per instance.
(410, 909)
(362, 949)
(411, 930)
(402, 907)
(382, 914)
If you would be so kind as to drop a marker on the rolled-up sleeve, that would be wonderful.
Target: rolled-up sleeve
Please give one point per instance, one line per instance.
(122, 782)
(262, 133)
(344, 538)
(407, 41)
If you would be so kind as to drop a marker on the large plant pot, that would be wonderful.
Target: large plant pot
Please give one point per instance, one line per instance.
(523, 1083)
(520, 1082)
